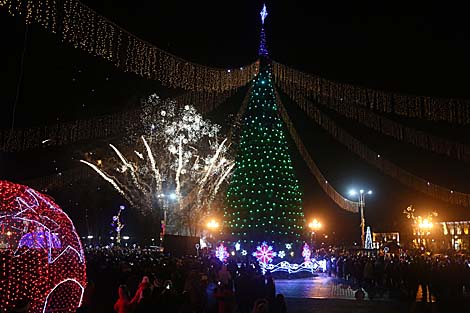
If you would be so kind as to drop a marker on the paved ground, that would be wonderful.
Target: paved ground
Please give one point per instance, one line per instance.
(309, 305)
(329, 295)
(320, 287)
(323, 294)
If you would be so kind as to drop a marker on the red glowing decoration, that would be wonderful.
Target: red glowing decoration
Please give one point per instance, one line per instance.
(41, 255)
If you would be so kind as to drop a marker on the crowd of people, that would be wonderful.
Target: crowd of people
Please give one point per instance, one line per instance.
(440, 278)
(144, 280)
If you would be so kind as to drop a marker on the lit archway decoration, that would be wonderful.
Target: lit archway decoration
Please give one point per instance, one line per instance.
(40, 252)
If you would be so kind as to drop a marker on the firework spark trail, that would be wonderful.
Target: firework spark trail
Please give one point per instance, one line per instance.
(108, 179)
(191, 161)
(223, 177)
(216, 155)
(180, 166)
(157, 176)
(128, 165)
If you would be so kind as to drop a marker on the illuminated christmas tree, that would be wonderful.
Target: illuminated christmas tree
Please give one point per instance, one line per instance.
(263, 200)
(368, 243)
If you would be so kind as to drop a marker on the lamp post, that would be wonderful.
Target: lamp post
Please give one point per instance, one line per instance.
(212, 226)
(165, 204)
(424, 227)
(314, 225)
(362, 202)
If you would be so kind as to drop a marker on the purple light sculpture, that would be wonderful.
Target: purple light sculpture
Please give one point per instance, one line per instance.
(262, 43)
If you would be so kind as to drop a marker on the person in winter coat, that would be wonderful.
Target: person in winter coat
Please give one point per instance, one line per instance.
(123, 303)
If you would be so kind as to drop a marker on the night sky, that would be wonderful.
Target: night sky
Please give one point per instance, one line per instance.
(420, 49)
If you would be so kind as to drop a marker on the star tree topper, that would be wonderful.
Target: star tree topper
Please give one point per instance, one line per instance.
(263, 13)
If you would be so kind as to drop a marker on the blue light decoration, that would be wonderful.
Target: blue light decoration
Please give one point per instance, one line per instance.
(117, 223)
(306, 253)
(237, 246)
(221, 253)
(264, 254)
(284, 266)
(262, 44)
(263, 13)
(40, 239)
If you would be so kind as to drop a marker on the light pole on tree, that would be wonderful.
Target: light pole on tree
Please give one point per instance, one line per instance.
(362, 202)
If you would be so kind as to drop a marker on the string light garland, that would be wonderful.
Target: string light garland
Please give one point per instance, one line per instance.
(328, 92)
(340, 200)
(393, 129)
(376, 159)
(101, 127)
(41, 253)
(398, 131)
(85, 29)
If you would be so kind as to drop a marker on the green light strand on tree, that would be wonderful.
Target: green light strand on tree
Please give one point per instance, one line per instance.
(264, 199)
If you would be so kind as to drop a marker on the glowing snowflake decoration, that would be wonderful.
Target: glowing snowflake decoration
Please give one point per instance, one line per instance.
(221, 253)
(288, 246)
(306, 253)
(281, 254)
(264, 253)
(244, 252)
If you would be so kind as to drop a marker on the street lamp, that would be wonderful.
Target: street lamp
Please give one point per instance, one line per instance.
(213, 224)
(212, 227)
(362, 202)
(165, 200)
(314, 225)
(424, 227)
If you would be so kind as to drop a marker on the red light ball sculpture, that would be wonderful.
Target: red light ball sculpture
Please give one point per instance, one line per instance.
(41, 256)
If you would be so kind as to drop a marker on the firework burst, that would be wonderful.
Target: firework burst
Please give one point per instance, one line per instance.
(178, 153)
